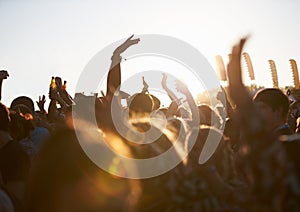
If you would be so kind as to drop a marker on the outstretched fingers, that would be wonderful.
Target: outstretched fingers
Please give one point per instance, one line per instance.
(129, 42)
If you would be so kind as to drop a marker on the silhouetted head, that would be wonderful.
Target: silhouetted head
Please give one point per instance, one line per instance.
(208, 116)
(140, 103)
(273, 105)
(22, 104)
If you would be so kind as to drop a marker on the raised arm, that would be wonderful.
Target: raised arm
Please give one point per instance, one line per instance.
(170, 93)
(182, 88)
(175, 102)
(238, 91)
(222, 97)
(41, 104)
(146, 86)
(114, 74)
(3, 75)
(264, 156)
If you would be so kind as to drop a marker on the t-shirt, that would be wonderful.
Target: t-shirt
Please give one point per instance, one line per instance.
(38, 136)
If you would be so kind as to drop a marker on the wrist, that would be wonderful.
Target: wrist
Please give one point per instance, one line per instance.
(116, 58)
(236, 84)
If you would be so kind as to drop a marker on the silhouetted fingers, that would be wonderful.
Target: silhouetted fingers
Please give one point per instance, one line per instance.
(234, 66)
(129, 38)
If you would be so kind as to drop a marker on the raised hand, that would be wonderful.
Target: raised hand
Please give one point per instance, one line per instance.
(237, 90)
(234, 70)
(146, 86)
(3, 74)
(41, 103)
(181, 87)
(169, 92)
(164, 81)
(114, 74)
(129, 42)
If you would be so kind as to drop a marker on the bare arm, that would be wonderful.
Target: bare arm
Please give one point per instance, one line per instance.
(3, 75)
(175, 102)
(169, 92)
(237, 89)
(182, 88)
(114, 74)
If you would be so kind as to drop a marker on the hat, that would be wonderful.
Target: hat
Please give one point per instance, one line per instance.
(22, 104)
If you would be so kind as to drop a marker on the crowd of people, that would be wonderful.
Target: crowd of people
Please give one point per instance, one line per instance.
(255, 166)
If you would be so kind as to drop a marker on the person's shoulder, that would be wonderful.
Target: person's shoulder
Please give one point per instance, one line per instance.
(39, 133)
(40, 130)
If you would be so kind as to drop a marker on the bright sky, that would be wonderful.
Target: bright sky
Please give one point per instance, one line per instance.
(40, 39)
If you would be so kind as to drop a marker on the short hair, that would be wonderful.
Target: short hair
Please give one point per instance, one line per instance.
(4, 117)
(274, 98)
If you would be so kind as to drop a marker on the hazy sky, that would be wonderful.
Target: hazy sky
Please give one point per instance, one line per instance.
(40, 39)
